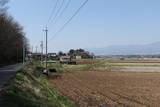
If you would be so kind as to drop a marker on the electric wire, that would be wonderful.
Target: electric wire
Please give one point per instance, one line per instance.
(70, 19)
(53, 11)
(62, 12)
(56, 14)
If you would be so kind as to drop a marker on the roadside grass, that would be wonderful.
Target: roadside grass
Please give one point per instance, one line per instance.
(29, 88)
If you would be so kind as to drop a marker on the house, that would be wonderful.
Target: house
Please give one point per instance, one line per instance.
(52, 56)
(65, 58)
(78, 57)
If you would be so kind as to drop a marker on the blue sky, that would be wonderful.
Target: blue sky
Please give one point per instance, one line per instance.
(100, 23)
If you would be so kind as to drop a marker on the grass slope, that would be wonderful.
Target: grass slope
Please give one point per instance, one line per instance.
(30, 89)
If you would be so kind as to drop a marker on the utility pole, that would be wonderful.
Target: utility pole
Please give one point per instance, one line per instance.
(46, 30)
(41, 45)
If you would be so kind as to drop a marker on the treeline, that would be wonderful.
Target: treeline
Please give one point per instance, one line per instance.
(12, 38)
(80, 52)
(77, 52)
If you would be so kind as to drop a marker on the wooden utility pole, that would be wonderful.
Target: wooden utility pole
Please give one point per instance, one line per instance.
(41, 45)
(46, 56)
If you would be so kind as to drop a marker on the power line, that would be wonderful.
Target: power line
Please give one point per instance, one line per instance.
(53, 11)
(56, 14)
(64, 9)
(50, 17)
(78, 10)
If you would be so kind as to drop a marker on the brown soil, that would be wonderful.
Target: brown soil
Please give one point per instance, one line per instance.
(109, 89)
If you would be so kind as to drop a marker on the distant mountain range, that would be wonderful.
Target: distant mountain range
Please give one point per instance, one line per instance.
(153, 48)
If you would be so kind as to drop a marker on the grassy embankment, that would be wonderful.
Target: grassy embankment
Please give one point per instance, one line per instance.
(29, 88)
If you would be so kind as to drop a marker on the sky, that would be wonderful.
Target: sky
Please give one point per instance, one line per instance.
(100, 23)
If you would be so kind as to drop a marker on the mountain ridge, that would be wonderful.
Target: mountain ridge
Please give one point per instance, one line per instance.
(153, 48)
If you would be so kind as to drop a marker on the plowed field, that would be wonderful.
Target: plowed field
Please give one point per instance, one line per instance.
(109, 89)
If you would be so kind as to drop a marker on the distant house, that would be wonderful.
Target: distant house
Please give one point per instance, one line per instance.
(65, 58)
(52, 56)
(78, 57)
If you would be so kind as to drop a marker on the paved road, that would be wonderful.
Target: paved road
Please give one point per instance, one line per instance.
(7, 72)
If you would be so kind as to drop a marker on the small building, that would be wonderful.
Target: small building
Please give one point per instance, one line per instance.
(52, 56)
(78, 57)
(65, 58)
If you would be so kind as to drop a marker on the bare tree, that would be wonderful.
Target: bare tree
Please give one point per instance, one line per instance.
(12, 37)
(3, 7)
(12, 40)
